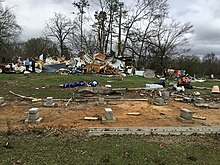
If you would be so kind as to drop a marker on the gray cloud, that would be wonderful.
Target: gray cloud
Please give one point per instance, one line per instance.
(204, 15)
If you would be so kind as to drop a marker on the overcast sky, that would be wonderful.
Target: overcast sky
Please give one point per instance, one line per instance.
(203, 14)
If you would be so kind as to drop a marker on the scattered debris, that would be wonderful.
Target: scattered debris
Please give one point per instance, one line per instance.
(214, 105)
(199, 100)
(159, 101)
(187, 99)
(96, 90)
(153, 86)
(197, 93)
(199, 80)
(205, 105)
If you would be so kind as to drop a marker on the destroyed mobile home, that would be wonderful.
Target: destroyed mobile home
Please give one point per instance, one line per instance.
(98, 63)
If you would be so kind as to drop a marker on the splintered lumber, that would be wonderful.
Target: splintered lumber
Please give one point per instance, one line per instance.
(134, 114)
(199, 117)
(91, 118)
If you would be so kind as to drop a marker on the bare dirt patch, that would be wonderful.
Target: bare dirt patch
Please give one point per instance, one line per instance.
(72, 116)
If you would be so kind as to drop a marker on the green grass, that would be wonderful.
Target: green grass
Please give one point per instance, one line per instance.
(27, 84)
(31, 84)
(67, 149)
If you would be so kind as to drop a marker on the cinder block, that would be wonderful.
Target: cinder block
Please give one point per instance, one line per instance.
(49, 102)
(33, 114)
(101, 100)
(33, 110)
(186, 114)
(108, 114)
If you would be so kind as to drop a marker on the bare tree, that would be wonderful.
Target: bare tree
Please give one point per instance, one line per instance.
(9, 29)
(81, 5)
(210, 64)
(37, 46)
(143, 11)
(168, 39)
(60, 27)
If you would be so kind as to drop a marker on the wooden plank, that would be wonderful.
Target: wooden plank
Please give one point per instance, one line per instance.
(134, 114)
(91, 118)
(199, 117)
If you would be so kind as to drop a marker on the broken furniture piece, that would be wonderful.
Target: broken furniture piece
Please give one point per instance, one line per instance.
(33, 116)
(108, 116)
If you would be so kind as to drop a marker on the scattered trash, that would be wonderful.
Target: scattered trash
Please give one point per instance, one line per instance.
(153, 86)
(197, 93)
(159, 101)
(199, 100)
(93, 83)
(108, 86)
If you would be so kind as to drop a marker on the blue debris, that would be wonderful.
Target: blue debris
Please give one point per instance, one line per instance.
(65, 85)
(93, 83)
